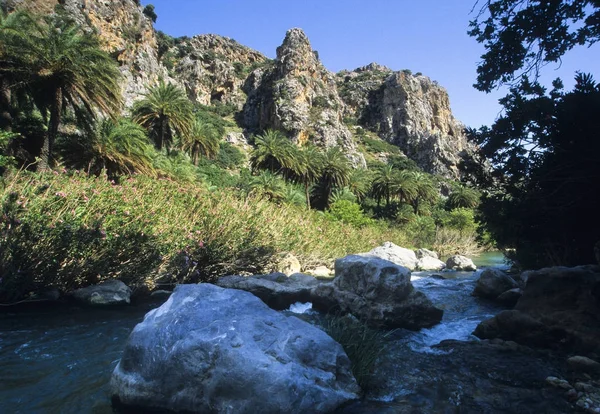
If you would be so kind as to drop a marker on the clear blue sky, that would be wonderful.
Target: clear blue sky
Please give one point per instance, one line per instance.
(426, 36)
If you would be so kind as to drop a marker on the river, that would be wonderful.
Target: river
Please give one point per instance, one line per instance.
(61, 361)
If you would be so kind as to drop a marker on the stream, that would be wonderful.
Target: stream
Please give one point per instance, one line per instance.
(61, 361)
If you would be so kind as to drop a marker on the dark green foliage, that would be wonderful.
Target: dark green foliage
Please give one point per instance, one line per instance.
(362, 344)
(521, 36)
(546, 197)
(150, 13)
(229, 156)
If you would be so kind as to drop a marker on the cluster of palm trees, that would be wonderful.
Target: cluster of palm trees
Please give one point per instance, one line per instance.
(305, 166)
(55, 66)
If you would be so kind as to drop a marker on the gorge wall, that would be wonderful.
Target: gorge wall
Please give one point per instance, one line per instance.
(293, 93)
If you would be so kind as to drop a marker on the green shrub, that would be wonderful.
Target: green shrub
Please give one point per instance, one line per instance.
(362, 344)
(348, 212)
(230, 157)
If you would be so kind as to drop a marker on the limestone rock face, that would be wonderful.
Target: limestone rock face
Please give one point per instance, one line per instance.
(412, 112)
(214, 350)
(124, 32)
(377, 292)
(298, 95)
(214, 69)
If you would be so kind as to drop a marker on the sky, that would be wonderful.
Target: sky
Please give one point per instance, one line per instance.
(428, 36)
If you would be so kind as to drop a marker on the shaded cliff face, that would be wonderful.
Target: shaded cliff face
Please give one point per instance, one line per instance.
(213, 68)
(409, 111)
(298, 96)
(124, 31)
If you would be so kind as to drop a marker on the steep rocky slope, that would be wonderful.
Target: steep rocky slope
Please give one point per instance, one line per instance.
(412, 112)
(213, 68)
(124, 31)
(298, 96)
(294, 93)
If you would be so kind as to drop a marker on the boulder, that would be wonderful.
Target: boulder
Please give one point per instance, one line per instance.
(561, 306)
(510, 297)
(320, 271)
(430, 263)
(583, 364)
(460, 263)
(107, 293)
(287, 263)
(422, 253)
(395, 254)
(377, 292)
(513, 325)
(209, 349)
(492, 283)
(277, 290)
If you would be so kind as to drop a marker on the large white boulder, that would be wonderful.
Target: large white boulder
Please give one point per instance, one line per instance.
(209, 349)
(395, 254)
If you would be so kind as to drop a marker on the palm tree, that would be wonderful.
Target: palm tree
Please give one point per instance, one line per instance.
(14, 29)
(202, 139)
(273, 152)
(165, 110)
(384, 184)
(405, 187)
(306, 168)
(268, 185)
(68, 68)
(121, 147)
(463, 197)
(425, 191)
(360, 182)
(335, 172)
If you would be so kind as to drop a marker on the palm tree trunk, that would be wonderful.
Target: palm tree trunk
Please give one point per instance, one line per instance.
(5, 98)
(161, 134)
(307, 195)
(55, 115)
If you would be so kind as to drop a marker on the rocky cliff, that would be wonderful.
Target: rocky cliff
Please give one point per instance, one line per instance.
(213, 68)
(299, 96)
(410, 111)
(124, 31)
(294, 93)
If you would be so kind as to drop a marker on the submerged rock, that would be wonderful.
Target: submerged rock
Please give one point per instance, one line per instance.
(395, 254)
(460, 263)
(277, 290)
(209, 349)
(377, 292)
(107, 293)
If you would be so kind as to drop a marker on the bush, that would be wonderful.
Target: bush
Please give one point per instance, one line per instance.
(348, 212)
(362, 344)
(70, 230)
(150, 13)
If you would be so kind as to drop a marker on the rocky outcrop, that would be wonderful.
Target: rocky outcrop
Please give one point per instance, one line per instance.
(277, 290)
(213, 68)
(395, 254)
(410, 111)
(377, 292)
(298, 96)
(124, 32)
(107, 293)
(209, 349)
(460, 263)
(430, 263)
(559, 308)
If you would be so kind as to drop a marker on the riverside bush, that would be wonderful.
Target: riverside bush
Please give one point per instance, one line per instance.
(69, 230)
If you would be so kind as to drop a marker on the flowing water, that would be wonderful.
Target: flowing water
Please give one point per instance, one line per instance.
(61, 361)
